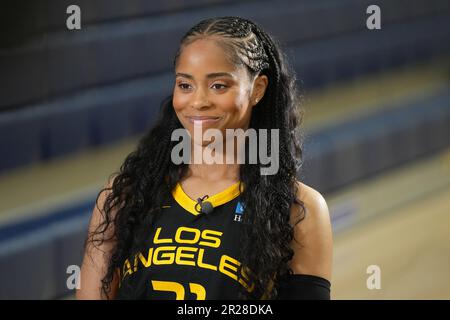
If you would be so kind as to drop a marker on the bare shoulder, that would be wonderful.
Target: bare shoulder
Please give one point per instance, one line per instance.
(315, 204)
(312, 242)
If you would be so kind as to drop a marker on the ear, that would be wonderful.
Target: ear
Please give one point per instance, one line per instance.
(259, 88)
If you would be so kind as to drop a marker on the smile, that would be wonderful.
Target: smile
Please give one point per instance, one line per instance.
(200, 120)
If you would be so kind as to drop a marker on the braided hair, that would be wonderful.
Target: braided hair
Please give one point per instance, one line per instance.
(148, 175)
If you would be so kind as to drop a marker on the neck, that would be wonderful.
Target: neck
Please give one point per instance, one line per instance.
(215, 163)
(214, 172)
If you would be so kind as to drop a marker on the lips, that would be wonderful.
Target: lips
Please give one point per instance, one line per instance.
(200, 120)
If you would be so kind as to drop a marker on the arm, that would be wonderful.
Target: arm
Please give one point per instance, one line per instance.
(96, 258)
(313, 248)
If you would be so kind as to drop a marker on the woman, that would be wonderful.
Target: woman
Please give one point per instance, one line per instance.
(162, 230)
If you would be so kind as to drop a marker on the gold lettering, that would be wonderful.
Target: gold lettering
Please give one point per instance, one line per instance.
(201, 264)
(146, 262)
(127, 265)
(224, 263)
(245, 279)
(209, 235)
(179, 255)
(156, 239)
(135, 263)
(188, 241)
(166, 257)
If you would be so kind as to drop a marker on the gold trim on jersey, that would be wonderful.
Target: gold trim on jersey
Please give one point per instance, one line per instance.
(216, 200)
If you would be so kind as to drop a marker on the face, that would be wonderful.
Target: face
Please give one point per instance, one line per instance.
(210, 91)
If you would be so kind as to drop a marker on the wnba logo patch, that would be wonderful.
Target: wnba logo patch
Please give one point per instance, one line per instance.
(238, 212)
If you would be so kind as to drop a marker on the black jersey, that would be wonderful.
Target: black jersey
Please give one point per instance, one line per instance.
(190, 255)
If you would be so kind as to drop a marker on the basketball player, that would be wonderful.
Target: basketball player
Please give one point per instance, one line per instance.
(162, 230)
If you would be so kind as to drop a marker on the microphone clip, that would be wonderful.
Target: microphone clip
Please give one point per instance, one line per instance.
(202, 206)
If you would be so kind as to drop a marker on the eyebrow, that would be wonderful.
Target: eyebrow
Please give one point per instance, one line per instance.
(208, 76)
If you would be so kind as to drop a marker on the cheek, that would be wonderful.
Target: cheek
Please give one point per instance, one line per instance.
(237, 102)
(178, 102)
(178, 106)
(241, 103)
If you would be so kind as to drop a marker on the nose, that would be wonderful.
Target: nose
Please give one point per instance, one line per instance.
(201, 100)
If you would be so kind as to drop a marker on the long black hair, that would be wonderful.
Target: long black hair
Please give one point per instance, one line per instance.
(148, 175)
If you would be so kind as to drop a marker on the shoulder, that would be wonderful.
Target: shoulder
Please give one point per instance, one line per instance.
(312, 242)
(314, 203)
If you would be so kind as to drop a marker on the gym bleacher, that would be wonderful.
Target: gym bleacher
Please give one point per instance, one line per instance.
(73, 104)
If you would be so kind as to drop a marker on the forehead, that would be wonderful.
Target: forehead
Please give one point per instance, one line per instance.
(204, 56)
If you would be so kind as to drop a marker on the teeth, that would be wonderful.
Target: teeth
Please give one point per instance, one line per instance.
(201, 121)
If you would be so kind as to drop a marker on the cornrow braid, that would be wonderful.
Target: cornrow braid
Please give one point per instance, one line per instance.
(237, 32)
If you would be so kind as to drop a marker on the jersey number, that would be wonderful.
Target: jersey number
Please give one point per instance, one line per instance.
(178, 289)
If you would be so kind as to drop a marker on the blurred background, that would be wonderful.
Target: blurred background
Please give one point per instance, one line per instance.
(73, 104)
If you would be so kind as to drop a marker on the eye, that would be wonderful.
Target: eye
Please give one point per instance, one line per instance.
(220, 86)
(184, 86)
